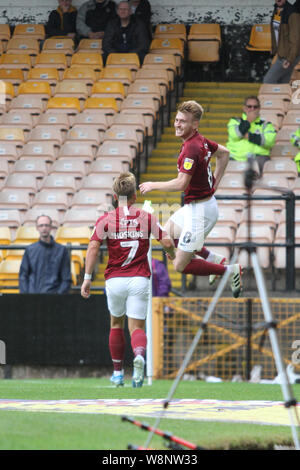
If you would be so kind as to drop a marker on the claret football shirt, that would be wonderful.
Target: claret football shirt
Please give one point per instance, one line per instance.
(194, 159)
(127, 232)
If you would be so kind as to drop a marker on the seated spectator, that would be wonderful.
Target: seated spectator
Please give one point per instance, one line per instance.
(250, 135)
(45, 267)
(62, 21)
(93, 16)
(126, 33)
(142, 10)
(295, 140)
(285, 35)
(161, 284)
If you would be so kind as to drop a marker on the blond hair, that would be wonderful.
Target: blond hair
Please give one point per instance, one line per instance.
(125, 185)
(191, 107)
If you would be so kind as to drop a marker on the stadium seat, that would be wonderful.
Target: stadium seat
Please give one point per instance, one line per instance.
(52, 60)
(80, 235)
(10, 219)
(15, 199)
(84, 74)
(57, 181)
(156, 61)
(53, 199)
(93, 105)
(130, 119)
(39, 89)
(146, 106)
(97, 120)
(140, 88)
(5, 35)
(63, 45)
(78, 150)
(43, 149)
(67, 104)
(5, 167)
(96, 181)
(9, 150)
(171, 30)
(116, 149)
(20, 119)
(34, 105)
(260, 215)
(280, 252)
(49, 133)
(264, 194)
(280, 151)
(292, 118)
(283, 90)
(32, 30)
(113, 165)
(47, 74)
(284, 135)
(89, 198)
(26, 234)
(69, 165)
(24, 45)
(278, 104)
(236, 204)
(85, 133)
(9, 276)
(14, 76)
(26, 181)
(233, 182)
(128, 60)
(227, 217)
(12, 134)
(109, 89)
(174, 46)
(284, 167)
(276, 118)
(61, 121)
(90, 45)
(259, 233)
(235, 166)
(16, 61)
(159, 77)
(34, 166)
(119, 74)
(123, 133)
(80, 218)
(73, 88)
(260, 38)
(90, 59)
(204, 42)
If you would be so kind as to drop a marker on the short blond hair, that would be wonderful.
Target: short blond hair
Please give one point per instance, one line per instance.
(191, 107)
(125, 185)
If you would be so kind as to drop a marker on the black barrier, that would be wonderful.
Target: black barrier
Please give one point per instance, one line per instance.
(56, 330)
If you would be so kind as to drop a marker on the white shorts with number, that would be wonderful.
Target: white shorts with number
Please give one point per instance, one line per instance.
(196, 220)
(128, 296)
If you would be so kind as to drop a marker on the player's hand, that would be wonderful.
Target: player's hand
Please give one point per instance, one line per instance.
(146, 187)
(171, 256)
(85, 289)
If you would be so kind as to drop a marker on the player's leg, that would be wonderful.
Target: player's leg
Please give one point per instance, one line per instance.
(136, 310)
(116, 300)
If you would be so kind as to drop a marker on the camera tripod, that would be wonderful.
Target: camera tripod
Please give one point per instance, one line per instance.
(270, 325)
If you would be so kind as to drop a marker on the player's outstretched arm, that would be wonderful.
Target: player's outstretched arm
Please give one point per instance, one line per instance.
(90, 263)
(222, 158)
(177, 184)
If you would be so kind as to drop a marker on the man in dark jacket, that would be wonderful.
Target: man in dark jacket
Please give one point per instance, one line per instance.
(93, 16)
(285, 35)
(126, 33)
(62, 21)
(45, 267)
(142, 10)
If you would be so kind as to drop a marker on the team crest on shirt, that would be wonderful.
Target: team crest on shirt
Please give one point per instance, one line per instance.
(188, 163)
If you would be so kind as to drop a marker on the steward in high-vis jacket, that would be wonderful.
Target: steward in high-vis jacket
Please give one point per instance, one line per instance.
(295, 140)
(250, 135)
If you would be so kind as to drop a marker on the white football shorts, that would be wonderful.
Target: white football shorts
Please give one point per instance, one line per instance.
(196, 220)
(128, 296)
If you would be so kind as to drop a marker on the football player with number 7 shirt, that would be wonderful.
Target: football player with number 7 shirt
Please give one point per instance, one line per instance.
(190, 225)
(127, 231)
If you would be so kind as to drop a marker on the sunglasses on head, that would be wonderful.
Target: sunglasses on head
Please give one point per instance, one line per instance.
(254, 106)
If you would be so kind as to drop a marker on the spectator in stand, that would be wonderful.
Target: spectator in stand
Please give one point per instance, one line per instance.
(93, 16)
(142, 10)
(250, 135)
(285, 32)
(126, 33)
(161, 284)
(45, 267)
(295, 140)
(62, 21)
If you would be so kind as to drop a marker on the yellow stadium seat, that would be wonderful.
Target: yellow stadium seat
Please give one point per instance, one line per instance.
(90, 45)
(109, 105)
(5, 35)
(67, 104)
(26, 234)
(90, 59)
(204, 42)
(12, 134)
(63, 45)
(5, 231)
(47, 74)
(177, 30)
(80, 235)
(109, 89)
(128, 60)
(35, 31)
(7, 92)
(118, 74)
(260, 38)
(72, 88)
(41, 89)
(13, 76)
(24, 46)
(16, 61)
(9, 275)
(52, 60)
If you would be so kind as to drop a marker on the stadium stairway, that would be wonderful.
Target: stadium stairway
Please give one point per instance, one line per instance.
(220, 101)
